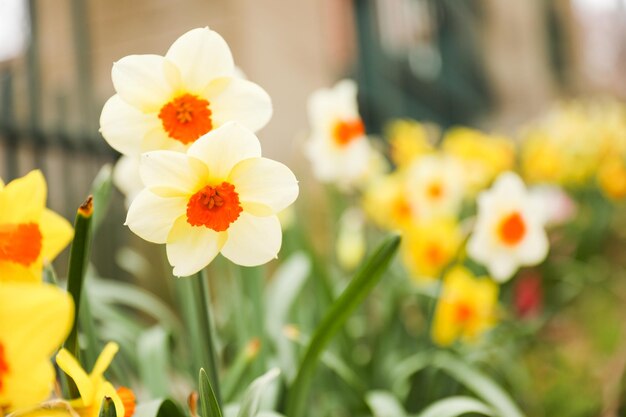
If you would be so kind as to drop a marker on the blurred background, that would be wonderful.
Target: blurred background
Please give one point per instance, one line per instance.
(484, 63)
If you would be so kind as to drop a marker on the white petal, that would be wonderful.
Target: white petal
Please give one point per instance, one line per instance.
(191, 248)
(158, 139)
(151, 217)
(145, 81)
(169, 173)
(124, 126)
(534, 249)
(253, 240)
(201, 55)
(222, 148)
(265, 185)
(502, 267)
(240, 101)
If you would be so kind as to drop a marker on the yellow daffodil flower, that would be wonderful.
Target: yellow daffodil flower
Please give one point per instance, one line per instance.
(408, 140)
(92, 387)
(168, 102)
(386, 202)
(466, 307)
(612, 178)
(30, 234)
(34, 320)
(483, 156)
(429, 246)
(338, 148)
(220, 196)
(510, 228)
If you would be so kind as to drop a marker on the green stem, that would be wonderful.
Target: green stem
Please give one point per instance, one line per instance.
(79, 258)
(253, 286)
(195, 301)
(360, 286)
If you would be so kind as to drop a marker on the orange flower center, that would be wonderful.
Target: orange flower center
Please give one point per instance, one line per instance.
(434, 254)
(20, 243)
(512, 229)
(345, 132)
(464, 312)
(401, 208)
(214, 207)
(435, 190)
(4, 366)
(186, 118)
(128, 399)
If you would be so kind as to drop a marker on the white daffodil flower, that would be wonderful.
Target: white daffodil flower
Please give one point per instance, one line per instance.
(509, 230)
(168, 102)
(219, 196)
(338, 147)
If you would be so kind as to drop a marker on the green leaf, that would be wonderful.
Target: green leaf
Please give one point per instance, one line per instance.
(232, 378)
(280, 294)
(401, 373)
(208, 402)
(129, 295)
(79, 259)
(108, 408)
(364, 281)
(252, 397)
(158, 408)
(457, 406)
(101, 189)
(384, 404)
(154, 356)
(479, 383)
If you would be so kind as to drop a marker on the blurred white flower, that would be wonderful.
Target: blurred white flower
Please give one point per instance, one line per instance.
(509, 230)
(338, 147)
(127, 179)
(559, 206)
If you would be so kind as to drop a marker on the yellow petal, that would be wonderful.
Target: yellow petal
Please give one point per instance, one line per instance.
(36, 317)
(11, 271)
(109, 391)
(57, 234)
(105, 359)
(34, 321)
(22, 200)
(72, 368)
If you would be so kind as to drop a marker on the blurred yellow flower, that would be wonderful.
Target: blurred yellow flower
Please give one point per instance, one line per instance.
(430, 246)
(612, 177)
(338, 148)
(168, 102)
(219, 196)
(572, 142)
(30, 234)
(436, 186)
(483, 156)
(386, 201)
(34, 320)
(408, 140)
(509, 230)
(92, 387)
(466, 307)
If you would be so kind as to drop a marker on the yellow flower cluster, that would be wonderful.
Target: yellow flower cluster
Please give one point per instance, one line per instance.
(580, 143)
(424, 196)
(36, 317)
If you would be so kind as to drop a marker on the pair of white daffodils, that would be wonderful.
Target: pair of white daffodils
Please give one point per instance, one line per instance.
(189, 121)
